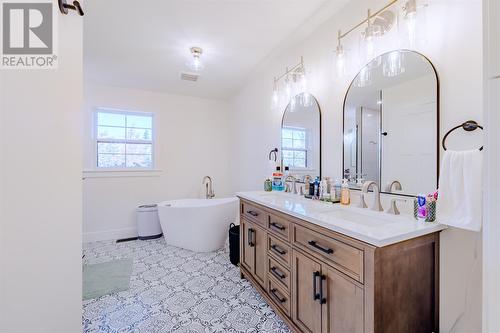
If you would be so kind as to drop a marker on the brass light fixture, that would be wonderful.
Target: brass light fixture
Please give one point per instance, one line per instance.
(293, 81)
(378, 23)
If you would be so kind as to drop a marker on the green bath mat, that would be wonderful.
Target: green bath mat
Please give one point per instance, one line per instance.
(106, 278)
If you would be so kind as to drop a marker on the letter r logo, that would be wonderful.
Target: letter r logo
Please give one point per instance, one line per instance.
(27, 28)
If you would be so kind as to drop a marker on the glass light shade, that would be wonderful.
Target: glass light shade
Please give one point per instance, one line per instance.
(393, 64)
(275, 99)
(370, 35)
(340, 61)
(364, 77)
(195, 65)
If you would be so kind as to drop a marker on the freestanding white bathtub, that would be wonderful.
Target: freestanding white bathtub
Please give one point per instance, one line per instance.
(199, 225)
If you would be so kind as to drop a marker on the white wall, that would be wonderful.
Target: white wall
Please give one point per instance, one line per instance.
(192, 141)
(40, 192)
(491, 229)
(455, 47)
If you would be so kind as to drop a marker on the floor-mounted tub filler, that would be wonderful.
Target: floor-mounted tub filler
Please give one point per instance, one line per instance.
(199, 225)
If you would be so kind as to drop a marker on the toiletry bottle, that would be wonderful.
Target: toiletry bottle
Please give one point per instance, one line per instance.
(311, 188)
(337, 187)
(268, 185)
(324, 195)
(316, 188)
(345, 196)
(278, 181)
(421, 207)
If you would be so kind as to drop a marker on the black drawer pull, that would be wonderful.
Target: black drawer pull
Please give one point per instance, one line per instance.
(280, 299)
(277, 272)
(321, 248)
(315, 285)
(277, 249)
(277, 226)
(322, 300)
(253, 213)
(250, 234)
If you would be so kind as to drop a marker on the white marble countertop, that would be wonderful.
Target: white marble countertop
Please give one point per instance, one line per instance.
(375, 228)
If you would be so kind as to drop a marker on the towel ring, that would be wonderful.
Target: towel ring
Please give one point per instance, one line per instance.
(273, 155)
(469, 126)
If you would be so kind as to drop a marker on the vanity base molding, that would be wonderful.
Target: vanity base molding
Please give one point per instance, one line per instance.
(321, 281)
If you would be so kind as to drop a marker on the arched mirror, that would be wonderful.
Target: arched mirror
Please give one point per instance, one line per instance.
(301, 136)
(391, 124)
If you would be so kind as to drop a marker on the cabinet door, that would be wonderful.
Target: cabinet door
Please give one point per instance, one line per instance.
(260, 242)
(343, 310)
(247, 248)
(306, 305)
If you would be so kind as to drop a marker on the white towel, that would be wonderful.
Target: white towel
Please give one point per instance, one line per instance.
(460, 202)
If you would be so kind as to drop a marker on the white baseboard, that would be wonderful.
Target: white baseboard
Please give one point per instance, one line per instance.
(109, 235)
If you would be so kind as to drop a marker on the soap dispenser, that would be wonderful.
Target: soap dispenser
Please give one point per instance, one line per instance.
(345, 196)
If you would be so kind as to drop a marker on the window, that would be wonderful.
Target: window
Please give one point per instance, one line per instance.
(124, 140)
(294, 143)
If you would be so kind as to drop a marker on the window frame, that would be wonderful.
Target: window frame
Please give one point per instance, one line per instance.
(306, 150)
(95, 158)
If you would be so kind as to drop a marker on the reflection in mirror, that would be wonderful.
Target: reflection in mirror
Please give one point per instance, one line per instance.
(391, 124)
(301, 136)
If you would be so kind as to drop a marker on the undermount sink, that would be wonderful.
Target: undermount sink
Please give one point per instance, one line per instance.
(368, 218)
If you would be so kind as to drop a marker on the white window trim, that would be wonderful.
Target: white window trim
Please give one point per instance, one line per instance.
(307, 150)
(97, 172)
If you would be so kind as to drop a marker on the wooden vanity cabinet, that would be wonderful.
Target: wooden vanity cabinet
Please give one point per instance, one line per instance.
(320, 281)
(253, 250)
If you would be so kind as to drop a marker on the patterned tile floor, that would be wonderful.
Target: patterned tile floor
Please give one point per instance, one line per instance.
(176, 290)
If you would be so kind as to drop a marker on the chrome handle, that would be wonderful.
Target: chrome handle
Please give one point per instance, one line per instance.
(319, 247)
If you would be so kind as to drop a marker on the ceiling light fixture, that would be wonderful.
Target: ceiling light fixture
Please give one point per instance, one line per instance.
(195, 64)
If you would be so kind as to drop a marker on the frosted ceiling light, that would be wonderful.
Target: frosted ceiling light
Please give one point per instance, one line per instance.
(195, 64)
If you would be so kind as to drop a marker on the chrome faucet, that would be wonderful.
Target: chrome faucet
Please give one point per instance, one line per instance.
(294, 185)
(376, 206)
(209, 187)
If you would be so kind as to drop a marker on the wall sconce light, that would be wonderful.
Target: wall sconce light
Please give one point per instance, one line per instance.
(411, 13)
(340, 56)
(294, 82)
(369, 35)
(275, 96)
(376, 25)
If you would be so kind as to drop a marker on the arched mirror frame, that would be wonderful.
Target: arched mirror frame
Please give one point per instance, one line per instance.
(438, 106)
(313, 98)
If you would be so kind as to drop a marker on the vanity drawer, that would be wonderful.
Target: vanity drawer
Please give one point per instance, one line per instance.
(340, 255)
(280, 274)
(279, 226)
(279, 250)
(280, 298)
(254, 213)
